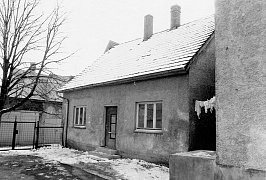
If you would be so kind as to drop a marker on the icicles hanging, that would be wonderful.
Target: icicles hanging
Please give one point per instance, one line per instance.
(209, 104)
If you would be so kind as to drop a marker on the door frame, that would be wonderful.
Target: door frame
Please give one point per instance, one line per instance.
(104, 119)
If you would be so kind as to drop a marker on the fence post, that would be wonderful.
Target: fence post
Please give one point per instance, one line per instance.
(63, 136)
(34, 131)
(37, 135)
(15, 131)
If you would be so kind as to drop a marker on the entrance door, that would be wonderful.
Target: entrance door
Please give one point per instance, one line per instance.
(110, 127)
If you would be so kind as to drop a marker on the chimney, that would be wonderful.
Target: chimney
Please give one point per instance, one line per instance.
(33, 66)
(175, 16)
(148, 27)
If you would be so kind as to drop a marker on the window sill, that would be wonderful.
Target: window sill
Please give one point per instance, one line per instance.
(80, 127)
(149, 131)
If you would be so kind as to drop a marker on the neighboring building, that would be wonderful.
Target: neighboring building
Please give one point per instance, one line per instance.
(44, 106)
(138, 97)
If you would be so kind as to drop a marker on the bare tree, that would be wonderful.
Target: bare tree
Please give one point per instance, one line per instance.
(24, 35)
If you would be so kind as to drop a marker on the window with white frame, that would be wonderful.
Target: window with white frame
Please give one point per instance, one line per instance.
(149, 115)
(79, 116)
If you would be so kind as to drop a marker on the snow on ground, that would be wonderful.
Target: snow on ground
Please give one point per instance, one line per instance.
(131, 169)
(138, 169)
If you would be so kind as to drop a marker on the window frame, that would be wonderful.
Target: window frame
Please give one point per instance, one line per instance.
(84, 117)
(145, 128)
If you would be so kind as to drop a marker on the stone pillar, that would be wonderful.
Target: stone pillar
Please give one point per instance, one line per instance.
(240, 39)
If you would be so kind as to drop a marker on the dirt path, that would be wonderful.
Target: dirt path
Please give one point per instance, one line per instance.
(35, 168)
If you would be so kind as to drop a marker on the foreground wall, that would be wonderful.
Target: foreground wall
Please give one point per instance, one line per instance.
(172, 91)
(200, 165)
(241, 83)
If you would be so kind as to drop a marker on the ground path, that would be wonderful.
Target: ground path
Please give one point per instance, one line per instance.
(34, 168)
(56, 162)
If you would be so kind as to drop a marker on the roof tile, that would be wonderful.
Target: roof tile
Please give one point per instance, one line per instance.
(164, 51)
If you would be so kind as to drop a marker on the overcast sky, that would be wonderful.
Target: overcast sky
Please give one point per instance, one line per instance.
(92, 23)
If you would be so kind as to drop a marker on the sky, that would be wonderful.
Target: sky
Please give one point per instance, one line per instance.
(91, 24)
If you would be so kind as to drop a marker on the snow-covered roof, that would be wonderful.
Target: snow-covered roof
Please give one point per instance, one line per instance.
(163, 52)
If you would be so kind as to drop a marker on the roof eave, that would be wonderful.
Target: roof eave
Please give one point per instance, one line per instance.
(204, 45)
(161, 74)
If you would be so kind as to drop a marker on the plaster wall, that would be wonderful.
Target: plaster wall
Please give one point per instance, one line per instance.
(202, 87)
(172, 91)
(200, 165)
(241, 82)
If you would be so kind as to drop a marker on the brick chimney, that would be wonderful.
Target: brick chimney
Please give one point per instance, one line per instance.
(175, 16)
(148, 27)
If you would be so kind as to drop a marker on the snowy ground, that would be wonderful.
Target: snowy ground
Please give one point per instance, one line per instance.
(131, 169)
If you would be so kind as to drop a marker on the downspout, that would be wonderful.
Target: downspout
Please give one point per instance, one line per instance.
(66, 121)
(67, 115)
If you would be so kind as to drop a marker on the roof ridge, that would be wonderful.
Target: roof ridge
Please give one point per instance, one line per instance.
(202, 18)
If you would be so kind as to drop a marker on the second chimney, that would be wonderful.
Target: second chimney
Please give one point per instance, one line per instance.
(175, 16)
(148, 27)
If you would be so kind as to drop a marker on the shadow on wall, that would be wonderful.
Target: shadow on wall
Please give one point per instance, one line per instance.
(204, 133)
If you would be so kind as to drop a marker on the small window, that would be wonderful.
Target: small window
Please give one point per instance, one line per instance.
(79, 116)
(149, 115)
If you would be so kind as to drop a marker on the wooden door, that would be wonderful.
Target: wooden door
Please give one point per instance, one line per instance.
(110, 127)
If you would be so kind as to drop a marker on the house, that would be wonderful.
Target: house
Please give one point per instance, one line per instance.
(45, 105)
(138, 97)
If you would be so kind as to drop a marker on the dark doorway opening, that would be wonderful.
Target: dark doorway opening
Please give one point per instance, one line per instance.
(203, 132)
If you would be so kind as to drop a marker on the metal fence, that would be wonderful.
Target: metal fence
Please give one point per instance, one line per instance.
(6, 133)
(17, 134)
(21, 135)
(47, 135)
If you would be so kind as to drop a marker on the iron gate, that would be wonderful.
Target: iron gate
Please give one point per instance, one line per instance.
(17, 134)
(47, 135)
(28, 135)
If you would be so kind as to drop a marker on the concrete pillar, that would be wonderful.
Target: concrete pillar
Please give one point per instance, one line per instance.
(175, 16)
(148, 27)
(240, 39)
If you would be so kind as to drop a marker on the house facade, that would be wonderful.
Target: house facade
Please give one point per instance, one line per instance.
(138, 97)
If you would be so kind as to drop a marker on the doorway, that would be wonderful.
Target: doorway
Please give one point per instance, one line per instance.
(110, 127)
(203, 132)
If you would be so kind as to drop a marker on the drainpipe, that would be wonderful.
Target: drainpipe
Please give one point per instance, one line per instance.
(66, 120)
(67, 115)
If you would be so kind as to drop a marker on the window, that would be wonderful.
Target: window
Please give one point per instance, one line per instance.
(149, 115)
(79, 116)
